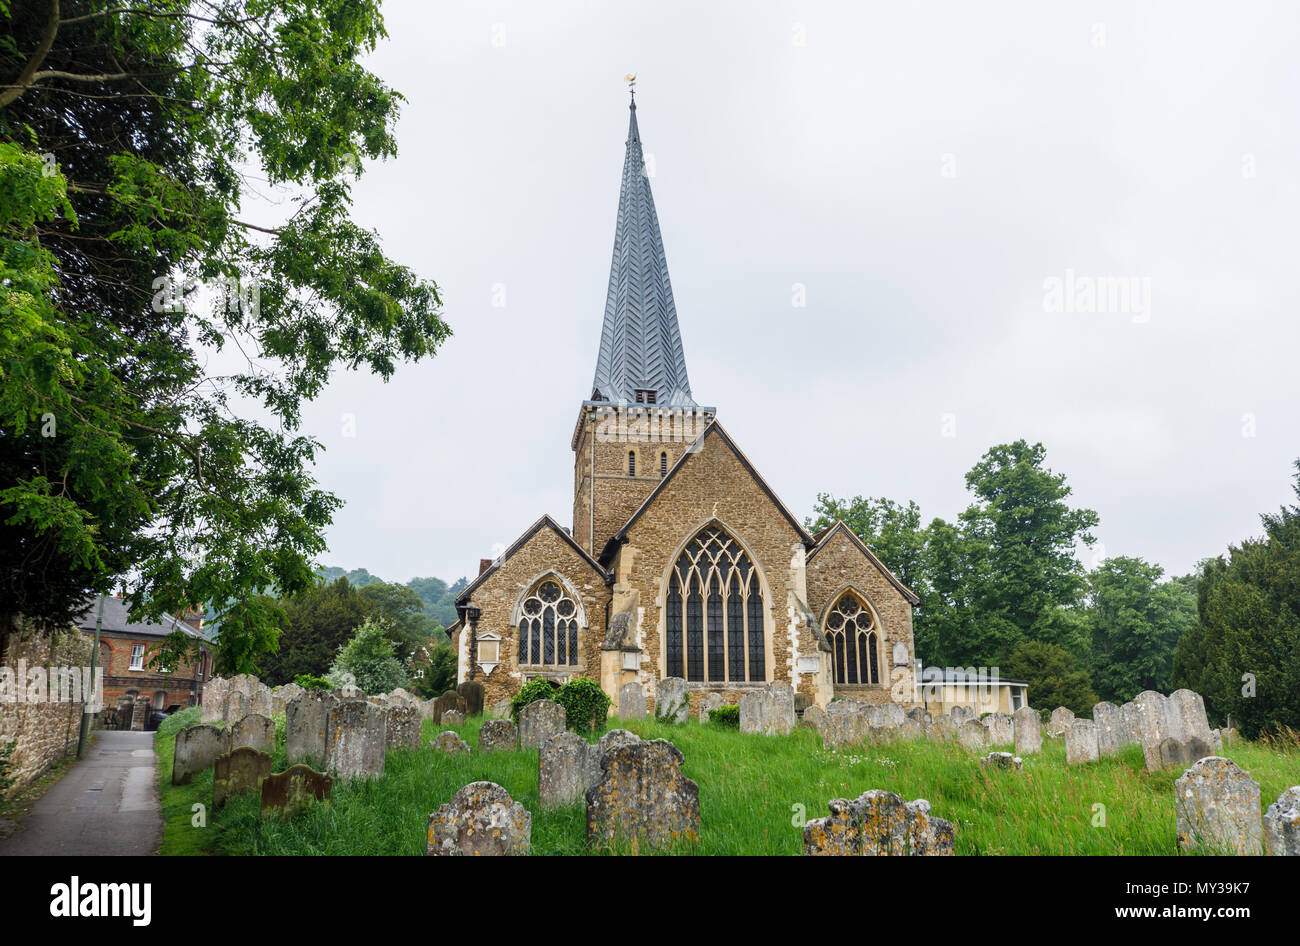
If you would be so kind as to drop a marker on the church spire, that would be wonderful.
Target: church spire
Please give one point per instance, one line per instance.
(641, 358)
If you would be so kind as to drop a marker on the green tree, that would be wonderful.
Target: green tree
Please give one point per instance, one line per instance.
(891, 530)
(438, 675)
(1136, 622)
(146, 125)
(403, 612)
(317, 623)
(370, 659)
(1054, 676)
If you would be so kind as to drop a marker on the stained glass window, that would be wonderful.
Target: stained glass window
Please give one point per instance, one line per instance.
(851, 630)
(548, 627)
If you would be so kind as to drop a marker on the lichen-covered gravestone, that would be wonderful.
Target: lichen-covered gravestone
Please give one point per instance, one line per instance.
(538, 722)
(197, 747)
(972, 735)
(812, 717)
(306, 722)
(769, 711)
(1002, 760)
(214, 700)
(287, 793)
(481, 820)
(1113, 729)
(453, 718)
(631, 701)
(672, 701)
(1060, 722)
(643, 797)
(710, 702)
(567, 766)
(878, 824)
(1217, 806)
(1081, 742)
(355, 739)
(449, 742)
(1282, 825)
(283, 695)
(1028, 726)
(402, 725)
(498, 735)
(1000, 729)
(256, 731)
(959, 715)
(241, 770)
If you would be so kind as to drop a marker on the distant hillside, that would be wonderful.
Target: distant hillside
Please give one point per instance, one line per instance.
(439, 598)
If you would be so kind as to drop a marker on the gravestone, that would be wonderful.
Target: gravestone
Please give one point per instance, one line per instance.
(1000, 729)
(214, 700)
(256, 731)
(240, 770)
(306, 724)
(710, 702)
(1081, 742)
(453, 718)
(972, 735)
(878, 824)
(631, 701)
(288, 793)
(1154, 721)
(1113, 729)
(498, 735)
(643, 797)
(472, 692)
(351, 691)
(1282, 825)
(1217, 806)
(769, 711)
(942, 727)
(481, 820)
(450, 742)
(1028, 726)
(887, 715)
(672, 701)
(813, 717)
(355, 738)
(846, 723)
(1173, 754)
(959, 715)
(1188, 709)
(283, 695)
(1002, 760)
(448, 702)
(1060, 721)
(402, 726)
(910, 730)
(501, 709)
(567, 766)
(197, 747)
(538, 722)
(613, 739)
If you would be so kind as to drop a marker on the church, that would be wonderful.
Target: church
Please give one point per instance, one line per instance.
(681, 560)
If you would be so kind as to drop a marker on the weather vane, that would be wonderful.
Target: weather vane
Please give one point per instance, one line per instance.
(630, 79)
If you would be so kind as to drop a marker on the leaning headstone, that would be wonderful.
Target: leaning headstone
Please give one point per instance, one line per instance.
(1028, 726)
(453, 718)
(355, 739)
(643, 797)
(710, 702)
(1113, 730)
(472, 692)
(305, 724)
(1217, 806)
(1060, 721)
(402, 726)
(256, 731)
(1002, 760)
(287, 793)
(1000, 729)
(1282, 825)
(672, 702)
(538, 722)
(972, 735)
(480, 820)
(1188, 708)
(1081, 742)
(769, 711)
(239, 771)
(1154, 721)
(567, 766)
(450, 742)
(498, 735)
(197, 747)
(214, 700)
(878, 824)
(631, 701)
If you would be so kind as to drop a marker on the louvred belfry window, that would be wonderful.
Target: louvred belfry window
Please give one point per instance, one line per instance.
(548, 627)
(854, 638)
(714, 620)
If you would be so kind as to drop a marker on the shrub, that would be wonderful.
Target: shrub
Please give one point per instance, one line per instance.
(586, 705)
(533, 690)
(369, 657)
(308, 682)
(726, 715)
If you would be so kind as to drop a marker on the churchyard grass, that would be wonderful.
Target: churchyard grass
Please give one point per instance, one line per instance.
(754, 793)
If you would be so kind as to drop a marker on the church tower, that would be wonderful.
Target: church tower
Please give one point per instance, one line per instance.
(641, 417)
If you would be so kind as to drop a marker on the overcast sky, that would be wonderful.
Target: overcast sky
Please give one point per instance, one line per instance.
(924, 171)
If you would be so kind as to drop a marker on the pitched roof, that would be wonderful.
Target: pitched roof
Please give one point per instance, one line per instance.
(542, 523)
(117, 619)
(640, 342)
(824, 538)
(714, 428)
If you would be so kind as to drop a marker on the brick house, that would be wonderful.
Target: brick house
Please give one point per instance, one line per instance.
(126, 646)
(681, 560)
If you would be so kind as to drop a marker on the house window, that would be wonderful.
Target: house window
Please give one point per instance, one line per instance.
(137, 656)
(631, 463)
(548, 627)
(855, 641)
(714, 619)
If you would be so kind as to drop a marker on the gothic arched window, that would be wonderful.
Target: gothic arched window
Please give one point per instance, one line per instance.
(854, 638)
(548, 627)
(714, 620)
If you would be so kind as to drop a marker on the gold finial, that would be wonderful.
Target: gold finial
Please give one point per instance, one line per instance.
(630, 79)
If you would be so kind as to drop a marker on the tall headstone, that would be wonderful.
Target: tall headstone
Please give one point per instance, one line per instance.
(769, 711)
(672, 701)
(355, 739)
(631, 701)
(538, 722)
(1154, 721)
(1217, 806)
(1000, 729)
(1060, 721)
(643, 797)
(197, 747)
(472, 692)
(481, 820)
(240, 770)
(1081, 742)
(214, 700)
(1113, 729)
(1028, 726)
(1188, 709)
(972, 735)
(402, 725)
(305, 724)
(567, 766)
(254, 730)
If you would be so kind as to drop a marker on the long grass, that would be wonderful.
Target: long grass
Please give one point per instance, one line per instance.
(755, 793)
